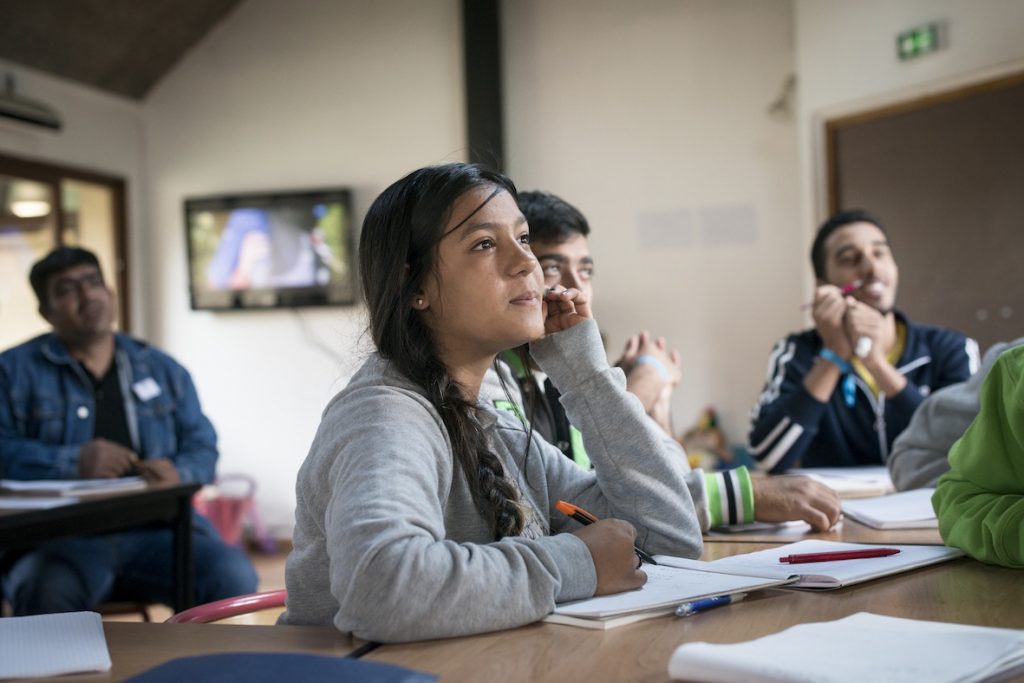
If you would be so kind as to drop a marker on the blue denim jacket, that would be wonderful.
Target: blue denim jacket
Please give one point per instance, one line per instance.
(47, 410)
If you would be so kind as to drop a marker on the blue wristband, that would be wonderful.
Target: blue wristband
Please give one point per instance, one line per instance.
(654, 363)
(847, 383)
(836, 360)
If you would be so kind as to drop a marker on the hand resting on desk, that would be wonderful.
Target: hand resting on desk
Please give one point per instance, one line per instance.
(158, 471)
(785, 499)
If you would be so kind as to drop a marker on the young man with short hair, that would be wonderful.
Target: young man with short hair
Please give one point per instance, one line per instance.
(838, 394)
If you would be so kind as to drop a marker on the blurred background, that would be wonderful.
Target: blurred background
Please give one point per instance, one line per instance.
(703, 139)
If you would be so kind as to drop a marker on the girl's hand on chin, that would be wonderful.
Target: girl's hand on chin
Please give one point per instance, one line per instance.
(564, 308)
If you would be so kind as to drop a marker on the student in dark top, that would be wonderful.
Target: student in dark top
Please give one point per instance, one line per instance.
(838, 394)
(559, 239)
(559, 234)
(86, 402)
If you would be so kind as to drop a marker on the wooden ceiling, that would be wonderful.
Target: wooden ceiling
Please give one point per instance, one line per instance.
(120, 46)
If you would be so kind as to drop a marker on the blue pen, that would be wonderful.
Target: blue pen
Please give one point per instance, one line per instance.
(688, 609)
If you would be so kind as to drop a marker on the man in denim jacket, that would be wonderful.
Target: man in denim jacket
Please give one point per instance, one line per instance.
(86, 402)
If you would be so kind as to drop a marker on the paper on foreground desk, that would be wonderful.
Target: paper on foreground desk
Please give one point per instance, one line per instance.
(52, 644)
(898, 651)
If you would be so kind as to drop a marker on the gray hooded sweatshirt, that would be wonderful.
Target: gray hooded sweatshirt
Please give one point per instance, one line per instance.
(390, 546)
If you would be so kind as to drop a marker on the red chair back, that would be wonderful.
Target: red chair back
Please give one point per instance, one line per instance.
(230, 607)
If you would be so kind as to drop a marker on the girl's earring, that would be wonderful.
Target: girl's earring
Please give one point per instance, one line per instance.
(419, 301)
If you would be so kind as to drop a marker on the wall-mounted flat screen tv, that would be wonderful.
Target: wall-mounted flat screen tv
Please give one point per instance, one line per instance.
(269, 250)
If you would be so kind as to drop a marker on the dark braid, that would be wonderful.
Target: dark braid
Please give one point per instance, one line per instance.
(397, 253)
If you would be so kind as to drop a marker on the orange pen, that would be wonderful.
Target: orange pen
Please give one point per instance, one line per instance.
(585, 518)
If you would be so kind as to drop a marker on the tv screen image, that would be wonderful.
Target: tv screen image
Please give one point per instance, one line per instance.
(270, 250)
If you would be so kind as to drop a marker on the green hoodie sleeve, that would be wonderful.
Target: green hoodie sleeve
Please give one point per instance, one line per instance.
(980, 501)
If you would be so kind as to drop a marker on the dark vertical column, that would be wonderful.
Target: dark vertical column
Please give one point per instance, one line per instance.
(184, 562)
(481, 42)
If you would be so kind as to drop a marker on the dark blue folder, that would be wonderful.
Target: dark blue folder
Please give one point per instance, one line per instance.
(250, 667)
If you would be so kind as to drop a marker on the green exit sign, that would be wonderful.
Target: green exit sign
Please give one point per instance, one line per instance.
(919, 40)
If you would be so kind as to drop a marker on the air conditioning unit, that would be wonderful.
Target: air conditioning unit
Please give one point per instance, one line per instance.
(12, 106)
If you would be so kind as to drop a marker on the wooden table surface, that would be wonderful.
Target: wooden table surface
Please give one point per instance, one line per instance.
(960, 591)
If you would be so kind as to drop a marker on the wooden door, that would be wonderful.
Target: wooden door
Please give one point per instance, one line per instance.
(945, 175)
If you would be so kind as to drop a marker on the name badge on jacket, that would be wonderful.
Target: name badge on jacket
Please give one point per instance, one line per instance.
(146, 389)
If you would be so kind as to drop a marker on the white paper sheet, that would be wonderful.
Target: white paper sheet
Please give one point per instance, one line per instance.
(52, 644)
(35, 502)
(851, 482)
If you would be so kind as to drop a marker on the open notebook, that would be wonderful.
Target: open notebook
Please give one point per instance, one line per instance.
(666, 588)
(901, 651)
(820, 575)
(906, 510)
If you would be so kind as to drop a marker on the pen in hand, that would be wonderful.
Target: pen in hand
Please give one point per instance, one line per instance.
(688, 609)
(803, 558)
(847, 289)
(585, 518)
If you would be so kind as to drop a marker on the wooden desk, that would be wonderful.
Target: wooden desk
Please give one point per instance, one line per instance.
(135, 647)
(961, 591)
(848, 531)
(166, 504)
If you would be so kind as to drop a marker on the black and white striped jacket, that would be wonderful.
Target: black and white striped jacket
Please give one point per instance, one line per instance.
(789, 427)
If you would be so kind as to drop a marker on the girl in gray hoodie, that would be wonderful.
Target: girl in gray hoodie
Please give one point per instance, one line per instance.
(425, 513)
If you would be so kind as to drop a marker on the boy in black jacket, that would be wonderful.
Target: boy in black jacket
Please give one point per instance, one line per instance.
(838, 395)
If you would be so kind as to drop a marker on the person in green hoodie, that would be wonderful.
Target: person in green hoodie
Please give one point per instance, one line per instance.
(980, 501)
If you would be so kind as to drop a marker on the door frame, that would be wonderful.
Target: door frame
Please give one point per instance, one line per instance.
(51, 174)
(833, 125)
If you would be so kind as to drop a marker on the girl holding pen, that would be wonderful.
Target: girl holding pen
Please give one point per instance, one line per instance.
(422, 511)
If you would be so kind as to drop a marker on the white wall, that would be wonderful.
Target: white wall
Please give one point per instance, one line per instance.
(101, 133)
(652, 119)
(307, 94)
(846, 58)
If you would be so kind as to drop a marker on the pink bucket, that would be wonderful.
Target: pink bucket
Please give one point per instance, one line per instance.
(228, 504)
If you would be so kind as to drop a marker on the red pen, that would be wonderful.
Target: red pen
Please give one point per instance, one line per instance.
(801, 558)
(848, 288)
(585, 518)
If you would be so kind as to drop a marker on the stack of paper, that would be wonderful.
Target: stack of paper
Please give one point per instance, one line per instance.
(52, 644)
(851, 482)
(861, 647)
(907, 510)
(71, 487)
(34, 502)
(666, 588)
